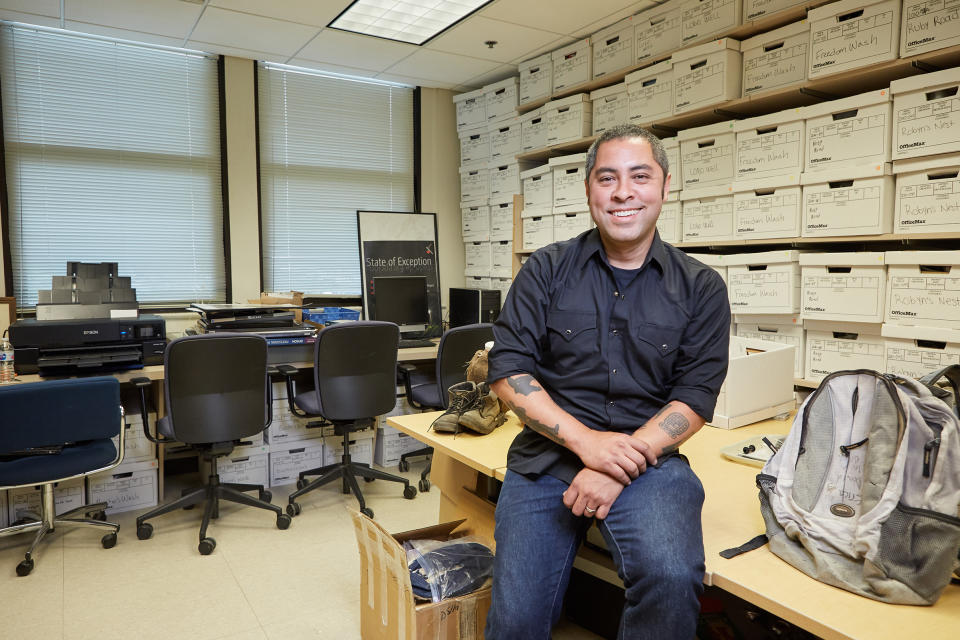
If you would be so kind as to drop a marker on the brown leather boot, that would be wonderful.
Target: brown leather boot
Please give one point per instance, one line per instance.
(484, 414)
(463, 397)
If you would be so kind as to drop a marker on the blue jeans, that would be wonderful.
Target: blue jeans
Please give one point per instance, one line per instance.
(652, 530)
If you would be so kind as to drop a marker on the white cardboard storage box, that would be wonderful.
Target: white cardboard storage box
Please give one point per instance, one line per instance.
(537, 232)
(770, 145)
(613, 48)
(537, 187)
(657, 31)
(501, 259)
(390, 444)
(923, 288)
(501, 219)
(706, 75)
(707, 214)
(474, 184)
(536, 79)
(475, 223)
(136, 446)
(775, 59)
(753, 9)
(850, 34)
(848, 132)
(650, 93)
(503, 284)
(928, 25)
(672, 147)
(128, 487)
(928, 195)
(246, 465)
(926, 112)
(759, 383)
(785, 329)
(767, 208)
(505, 139)
(287, 460)
(913, 352)
(533, 130)
(476, 259)
(505, 177)
(476, 282)
(570, 225)
(838, 346)
(846, 286)
(764, 283)
(471, 109)
(500, 99)
(66, 496)
(609, 107)
(474, 146)
(708, 155)
(572, 65)
(287, 427)
(860, 205)
(568, 119)
(361, 447)
(670, 222)
(569, 174)
(701, 19)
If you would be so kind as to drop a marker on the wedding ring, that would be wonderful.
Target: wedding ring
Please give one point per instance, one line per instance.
(589, 510)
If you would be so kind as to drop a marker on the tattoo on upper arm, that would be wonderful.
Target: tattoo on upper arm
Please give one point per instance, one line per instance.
(523, 384)
(550, 432)
(675, 424)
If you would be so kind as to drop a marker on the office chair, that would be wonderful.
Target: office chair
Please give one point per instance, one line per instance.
(55, 431)
(354, 374)
(457, 347)
(216, 392)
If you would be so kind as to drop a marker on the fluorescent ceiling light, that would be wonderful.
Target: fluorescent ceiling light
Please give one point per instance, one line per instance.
(413, 21)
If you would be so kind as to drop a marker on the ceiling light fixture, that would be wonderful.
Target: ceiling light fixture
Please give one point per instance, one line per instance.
(413, 21)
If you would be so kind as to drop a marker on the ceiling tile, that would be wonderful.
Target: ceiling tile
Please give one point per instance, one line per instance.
(29, 18)
(338, 47)
(172, 19)
(238, 52)
(441, 67)
(124, 34)
(242, 30)
(317, 13)
(36, 7)
(560, 16)
(468, 37)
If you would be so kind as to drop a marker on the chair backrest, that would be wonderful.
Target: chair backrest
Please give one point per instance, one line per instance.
(58, 411)
(457, 347)
(354, 369)
(216, 387)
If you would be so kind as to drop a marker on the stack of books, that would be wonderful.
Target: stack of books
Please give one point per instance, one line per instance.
(275, 322)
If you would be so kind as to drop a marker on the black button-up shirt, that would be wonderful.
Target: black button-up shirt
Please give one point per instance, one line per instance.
(610, 354)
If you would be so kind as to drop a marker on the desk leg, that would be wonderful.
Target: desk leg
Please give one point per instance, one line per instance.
(456, 482)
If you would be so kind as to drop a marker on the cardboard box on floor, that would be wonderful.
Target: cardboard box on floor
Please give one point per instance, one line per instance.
(387, 607)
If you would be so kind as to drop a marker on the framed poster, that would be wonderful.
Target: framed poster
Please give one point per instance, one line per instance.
(400, 245)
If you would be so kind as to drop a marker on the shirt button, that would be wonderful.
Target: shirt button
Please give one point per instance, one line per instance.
(610, 403)
(616, 293)
(614, 332)
(664, 347)
(614, 371)
(568, 332)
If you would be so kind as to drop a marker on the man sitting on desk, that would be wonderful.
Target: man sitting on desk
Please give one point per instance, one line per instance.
(611, 349)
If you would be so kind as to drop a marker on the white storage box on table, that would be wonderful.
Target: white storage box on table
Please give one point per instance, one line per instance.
(533, 130)
(136, 446)
(536, 79)
(501, 259)
(390, 445)
(650, 93)
(775, 59)
(708, 155)
(501, 219)
(707, 214)
(770, 145)
(837, 346)
(706, 75)
(361, 447)
(716, 262)
(759, 383)
(537, 231)
(670, 222)
(572, 65)
(471, 109)
(767, 208)
(474, 184)
(785, 329)
(851, 34)
(246, 465)
(538, 187)
(613, 48)
(67, 495)
(672, 148)
(753, 9)
(928, 25)
(288, 427)
(477, 258)
(928, 195)
(503, 285)
(858, 201)
(475, 223)
(764, 283)
(476, 282)
(847, 132)
(923, 288)
(475, 146)
(916, 351)
(569, 174)
(657, 31)
(287, 460)
(570, 225)
(609, 107)
(500, 99)
(505, 177)
(702, 19)
(846, 286)
(568, 119)
(130, 486)
(505, 139)
(926, 112)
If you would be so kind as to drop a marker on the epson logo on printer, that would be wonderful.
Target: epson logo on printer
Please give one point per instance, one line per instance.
(91, 332)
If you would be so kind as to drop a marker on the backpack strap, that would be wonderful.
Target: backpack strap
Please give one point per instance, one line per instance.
(749, 545)
(952, 374)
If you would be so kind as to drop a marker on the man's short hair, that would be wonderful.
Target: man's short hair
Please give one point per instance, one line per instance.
(622, 131)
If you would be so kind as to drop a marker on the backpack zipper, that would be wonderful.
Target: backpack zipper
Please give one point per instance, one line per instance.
(930, 451)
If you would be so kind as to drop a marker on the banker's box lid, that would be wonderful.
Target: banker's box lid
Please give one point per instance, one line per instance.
(614, 89)
(706, 49)
(780, 118)
(655, 12)
(472, 170)
(763, 257)
(853, 172)
(923, 257)
(842, 7)
(670, 142)
(844, 259)
(775, 36)
(926, 81)
(772, 319)
(599, 38)
(470, 95)
(502, 85)
(707, 130)
(709, 259)
(703, 193)
(567, 102)
(574, 47)
(504, 125)
(846, 104)
(475, 130)
(536, 171)
(533, 63)
(766, 184)
(475, 205)
(923, 163)
(531, 115)
(936, 334)
(575, 158)
(501, 202)
(860, 329)
(648, 72)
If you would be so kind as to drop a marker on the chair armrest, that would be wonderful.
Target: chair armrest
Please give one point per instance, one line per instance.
(288, 371)
(142, 384)
(405, 371)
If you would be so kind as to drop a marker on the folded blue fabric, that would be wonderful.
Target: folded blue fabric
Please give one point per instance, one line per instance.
(450, 570)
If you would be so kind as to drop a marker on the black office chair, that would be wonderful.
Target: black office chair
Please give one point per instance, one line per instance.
(354, 381)
(457, 347)
(54, 431)
(217, 392)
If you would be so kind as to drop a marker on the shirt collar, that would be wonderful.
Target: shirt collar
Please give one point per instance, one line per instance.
(593, 245)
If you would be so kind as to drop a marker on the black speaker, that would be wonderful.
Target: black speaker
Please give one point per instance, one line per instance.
(470, 306)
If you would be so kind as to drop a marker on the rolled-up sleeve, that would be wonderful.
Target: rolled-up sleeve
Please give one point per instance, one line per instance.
(518, 333)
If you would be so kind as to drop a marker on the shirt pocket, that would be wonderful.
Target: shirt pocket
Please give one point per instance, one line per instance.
(658, 345)
(572, 336)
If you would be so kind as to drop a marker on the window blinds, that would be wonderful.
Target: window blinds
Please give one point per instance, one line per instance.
(329, 146)
(112, 154)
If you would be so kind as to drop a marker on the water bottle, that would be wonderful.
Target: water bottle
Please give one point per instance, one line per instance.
(6, 363)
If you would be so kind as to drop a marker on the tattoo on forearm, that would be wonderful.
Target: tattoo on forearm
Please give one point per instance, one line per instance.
(670, 448)
(550, 432)
(675, 425)
(660, 413)
(523, 384)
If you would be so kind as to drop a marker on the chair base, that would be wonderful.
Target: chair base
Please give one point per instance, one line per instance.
(405, 465)
(48, 520)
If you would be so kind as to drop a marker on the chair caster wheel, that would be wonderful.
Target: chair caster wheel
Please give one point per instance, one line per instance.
(109, 541)
(188, 507)
(144, 531)
(369, 479)
(293, 509)
(283, 521)
(409, 492)
(404, 465)
(424, 485)
(367, 511)
(25, 567)
(266, 496)
(301, 483)
(206, 546)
